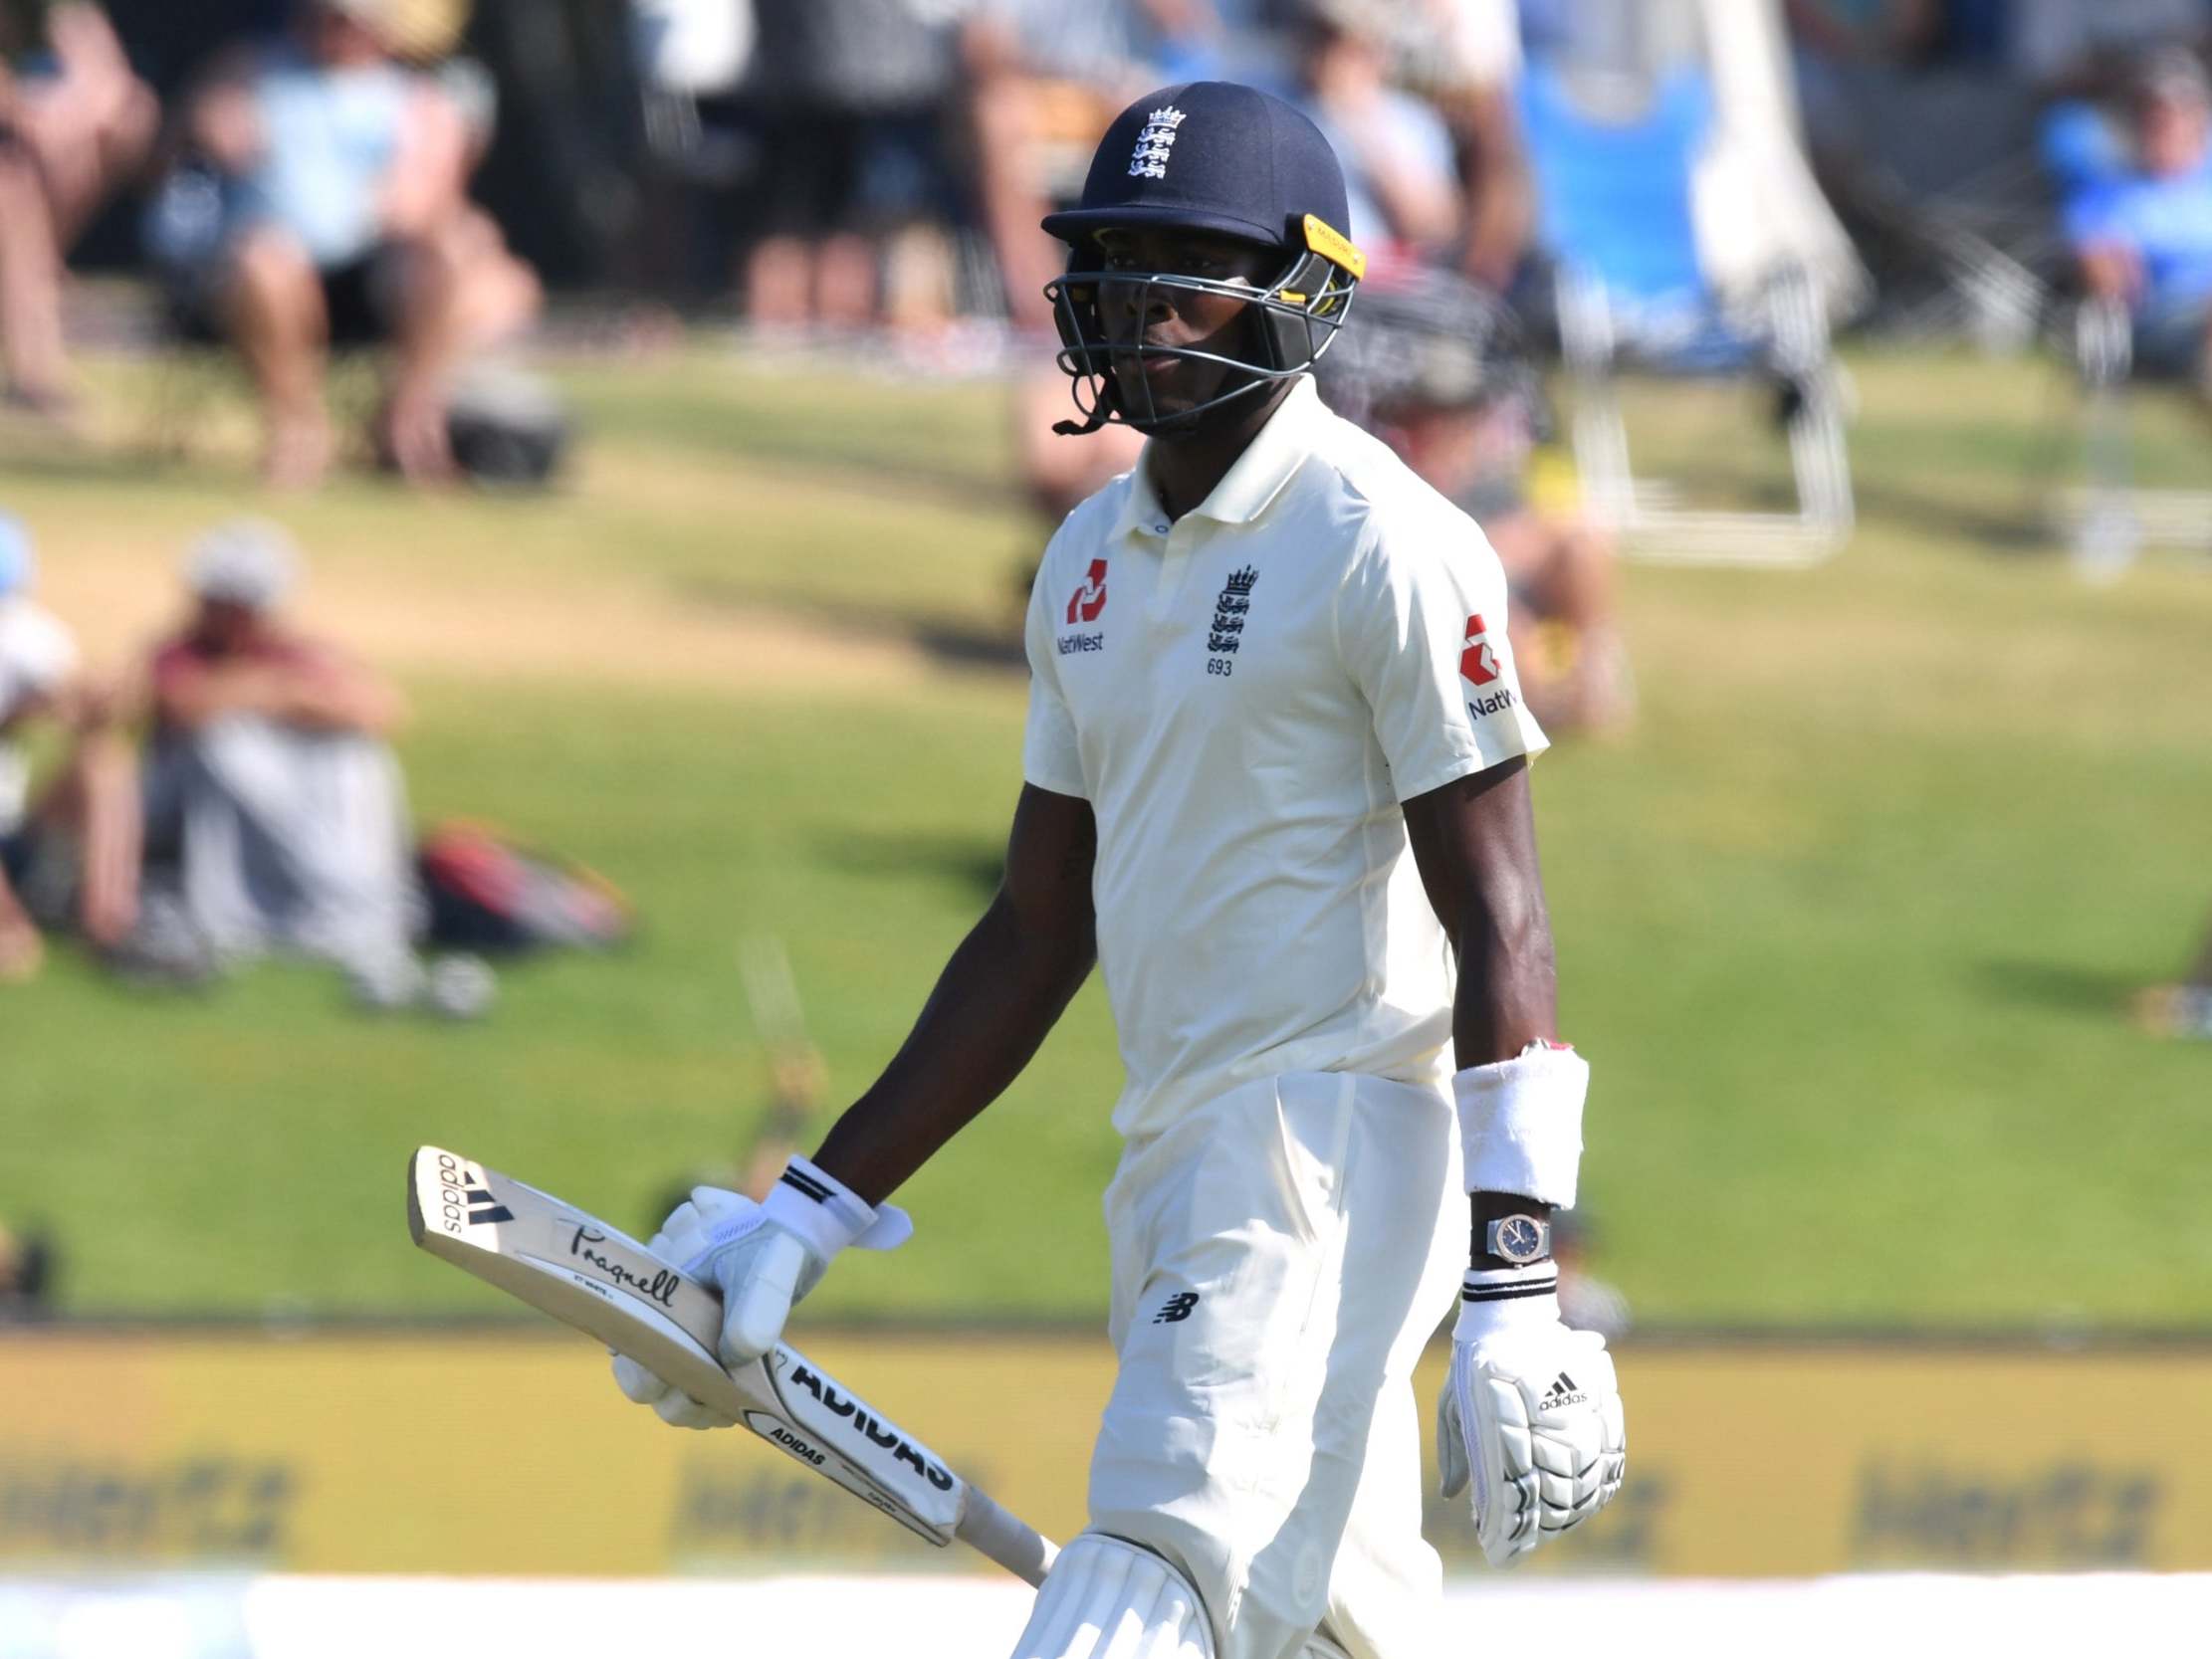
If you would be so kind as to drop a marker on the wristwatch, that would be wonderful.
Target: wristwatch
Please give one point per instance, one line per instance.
(1519, 1239)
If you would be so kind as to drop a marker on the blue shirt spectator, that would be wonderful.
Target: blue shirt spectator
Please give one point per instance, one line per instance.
(2165, 221)
(333, 135)
(1401, 176)
(2143, 233)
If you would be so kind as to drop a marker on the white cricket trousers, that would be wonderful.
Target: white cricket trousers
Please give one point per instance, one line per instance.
(1281, 1256)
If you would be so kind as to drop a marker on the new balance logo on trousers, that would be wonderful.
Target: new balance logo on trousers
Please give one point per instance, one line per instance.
(1176, 1308)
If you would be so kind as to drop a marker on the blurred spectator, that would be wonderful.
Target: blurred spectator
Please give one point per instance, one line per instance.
(2081, 47)
(1399, 169)
(2143, 234)
(849, 96)
(1041, 81)
(1435, 366)
(564, 173)
(691, 58)
(68, 854)
(343, 219)
(1465, 64)
(74, 124)
(274, 814)
(1035, 106)
(26, 1275)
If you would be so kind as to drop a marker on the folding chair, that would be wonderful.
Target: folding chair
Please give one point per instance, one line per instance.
(1613, 193)
(2109, 519)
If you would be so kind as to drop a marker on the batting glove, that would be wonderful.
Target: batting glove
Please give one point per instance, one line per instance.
(1530, 1418)
(764, 1258)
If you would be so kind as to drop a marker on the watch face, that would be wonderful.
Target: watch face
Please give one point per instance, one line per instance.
(1519, 1239)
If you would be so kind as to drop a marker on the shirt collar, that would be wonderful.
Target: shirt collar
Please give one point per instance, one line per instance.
(1258, 475)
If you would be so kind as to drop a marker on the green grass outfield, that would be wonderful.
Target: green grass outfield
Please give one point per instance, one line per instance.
(1846, 927)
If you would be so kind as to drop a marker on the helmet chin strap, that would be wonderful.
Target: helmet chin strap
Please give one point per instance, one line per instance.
(1102, 412)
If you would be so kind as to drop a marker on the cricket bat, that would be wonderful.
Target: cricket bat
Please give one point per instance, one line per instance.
(593, 1277)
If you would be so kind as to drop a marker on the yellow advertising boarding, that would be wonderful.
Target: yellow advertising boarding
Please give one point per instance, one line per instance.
(512, 1454)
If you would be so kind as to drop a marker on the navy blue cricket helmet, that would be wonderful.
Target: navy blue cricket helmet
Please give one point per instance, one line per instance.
(1215, 156)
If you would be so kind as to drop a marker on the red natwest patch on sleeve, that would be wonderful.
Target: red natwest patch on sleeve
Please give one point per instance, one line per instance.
(1478, 663)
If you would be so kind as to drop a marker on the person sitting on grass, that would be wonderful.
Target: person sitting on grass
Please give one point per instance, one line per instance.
(68, 853)
(2143, 234)
(345, 220)
(275, 812)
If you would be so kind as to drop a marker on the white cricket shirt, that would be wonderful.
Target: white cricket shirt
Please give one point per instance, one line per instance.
(1244, 697)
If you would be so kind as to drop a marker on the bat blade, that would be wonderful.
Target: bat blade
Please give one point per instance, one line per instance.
(566, 1262)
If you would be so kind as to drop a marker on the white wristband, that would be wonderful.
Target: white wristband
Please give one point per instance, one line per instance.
(1509, 1284)
(829, 1216)
(1521, 1123)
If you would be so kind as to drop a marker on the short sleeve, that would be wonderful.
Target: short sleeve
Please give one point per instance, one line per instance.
(1049, 756)
(37, 655)
(1422, 630)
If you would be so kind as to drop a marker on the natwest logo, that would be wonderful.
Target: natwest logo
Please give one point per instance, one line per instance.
(1478, 663)
(1089, 599)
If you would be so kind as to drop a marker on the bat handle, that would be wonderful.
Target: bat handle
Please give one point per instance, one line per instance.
(1006, 1538)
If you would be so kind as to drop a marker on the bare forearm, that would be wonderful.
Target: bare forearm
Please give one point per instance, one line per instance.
(344, 701)
(1508, 985)
(1001, 992)
(327, 697)
(1500, 207)
(1508, 998)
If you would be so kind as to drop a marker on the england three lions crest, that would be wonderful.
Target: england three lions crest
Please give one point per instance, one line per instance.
(1149, 158)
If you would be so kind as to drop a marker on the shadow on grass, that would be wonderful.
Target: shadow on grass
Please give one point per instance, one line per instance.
(877, 458)
(971, 647)
(89, 463)
(2015, 527)
(972, 862)
(2062, 987)
(955, 644)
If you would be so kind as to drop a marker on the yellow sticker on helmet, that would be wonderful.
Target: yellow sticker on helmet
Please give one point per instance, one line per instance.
(1335, 247)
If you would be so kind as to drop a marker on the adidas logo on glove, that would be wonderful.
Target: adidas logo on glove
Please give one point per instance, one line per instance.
(1561, 1393)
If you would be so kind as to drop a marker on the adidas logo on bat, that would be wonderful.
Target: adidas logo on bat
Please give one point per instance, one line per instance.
(878, 1432)
(1561, 1393)
(463, 1198)
(483, 1209)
